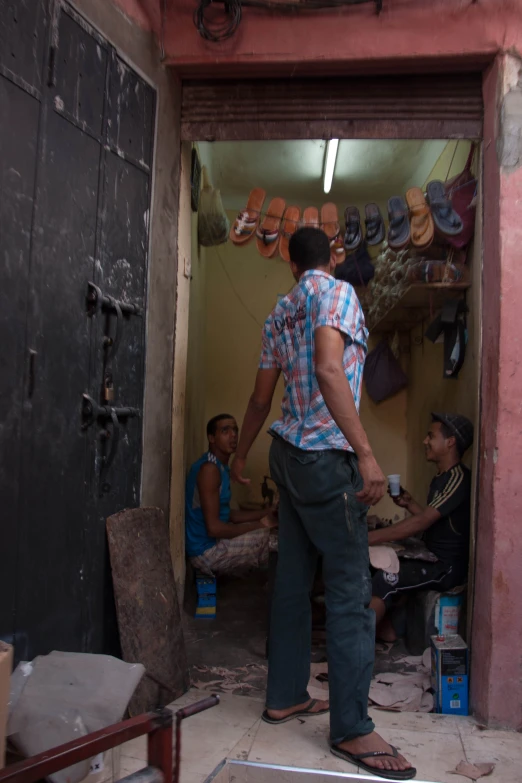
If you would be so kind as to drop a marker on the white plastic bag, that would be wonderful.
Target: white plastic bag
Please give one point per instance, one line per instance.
(213, 224)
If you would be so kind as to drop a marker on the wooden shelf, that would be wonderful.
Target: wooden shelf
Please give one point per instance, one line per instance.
(419, 302)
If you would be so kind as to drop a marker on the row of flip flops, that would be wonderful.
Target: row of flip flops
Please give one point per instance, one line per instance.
(412, 220)
(273, 228)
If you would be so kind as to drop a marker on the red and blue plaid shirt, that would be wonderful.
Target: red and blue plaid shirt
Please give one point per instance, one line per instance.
(288, 344)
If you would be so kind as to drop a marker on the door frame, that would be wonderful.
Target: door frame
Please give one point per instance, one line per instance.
(184, 296)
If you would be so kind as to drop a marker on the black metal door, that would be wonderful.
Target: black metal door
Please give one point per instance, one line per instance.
(75, 310)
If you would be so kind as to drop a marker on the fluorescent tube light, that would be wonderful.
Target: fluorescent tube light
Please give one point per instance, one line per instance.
(329, 168)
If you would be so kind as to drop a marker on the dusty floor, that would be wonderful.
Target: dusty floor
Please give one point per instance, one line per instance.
(434, 743)
(227, 657)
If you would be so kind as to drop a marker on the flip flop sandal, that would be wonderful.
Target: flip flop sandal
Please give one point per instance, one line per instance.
(267, 234)
(244, 226)
(446, 220)
(310, 218)
(332, 229)
(421, 220)
(358, 760)
(399, 227)
(374, 225)
(289, 227)
(353, 233)
(301, 714)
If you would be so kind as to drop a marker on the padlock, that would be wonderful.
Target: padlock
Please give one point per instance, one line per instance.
(108, 390)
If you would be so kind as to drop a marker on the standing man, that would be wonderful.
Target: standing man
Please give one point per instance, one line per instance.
(327, 476)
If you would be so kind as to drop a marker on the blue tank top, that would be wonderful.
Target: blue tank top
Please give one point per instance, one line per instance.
(197, 539)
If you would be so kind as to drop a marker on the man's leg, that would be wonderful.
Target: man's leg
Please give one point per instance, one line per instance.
(236, 556)
(336, 523)
(290, 623)
(337, 526)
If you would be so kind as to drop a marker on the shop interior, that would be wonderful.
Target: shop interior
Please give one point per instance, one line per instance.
(233, 288)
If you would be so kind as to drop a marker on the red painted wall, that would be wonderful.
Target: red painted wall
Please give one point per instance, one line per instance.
(497, 619)
(354, 38)
(136, 10)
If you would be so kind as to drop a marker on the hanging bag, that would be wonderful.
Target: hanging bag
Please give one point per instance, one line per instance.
(213, 223)
(462, 190)
(383, 374)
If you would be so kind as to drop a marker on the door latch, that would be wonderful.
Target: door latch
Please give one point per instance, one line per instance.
(110, 418)
(92, 412)
(97, 301)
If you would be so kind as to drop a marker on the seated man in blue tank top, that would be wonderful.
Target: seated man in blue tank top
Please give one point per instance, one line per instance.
(220, 540)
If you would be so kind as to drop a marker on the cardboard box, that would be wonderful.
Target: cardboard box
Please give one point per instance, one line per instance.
(6, 667)
(449, 674)
(447, 614)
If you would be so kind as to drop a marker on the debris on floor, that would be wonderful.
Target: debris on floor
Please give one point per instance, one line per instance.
(244, 680)
(472, 771)
(408, 691)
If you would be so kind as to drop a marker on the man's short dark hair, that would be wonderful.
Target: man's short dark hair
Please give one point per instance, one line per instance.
(309, 248)
(212, 424)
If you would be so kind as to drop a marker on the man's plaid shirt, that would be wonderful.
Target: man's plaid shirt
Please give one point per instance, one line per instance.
(288, 344)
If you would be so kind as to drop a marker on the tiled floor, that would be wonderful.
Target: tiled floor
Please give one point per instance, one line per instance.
(434, 744)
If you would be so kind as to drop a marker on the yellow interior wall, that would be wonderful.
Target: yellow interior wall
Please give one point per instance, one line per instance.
(241, 289)
(232, 292)
(428, 391)
(196, 389)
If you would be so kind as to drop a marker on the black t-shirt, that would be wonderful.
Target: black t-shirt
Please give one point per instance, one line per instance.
(448, 538)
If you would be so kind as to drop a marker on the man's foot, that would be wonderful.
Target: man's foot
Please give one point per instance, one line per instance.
(311, 707)
(385, 631)
(370, 743)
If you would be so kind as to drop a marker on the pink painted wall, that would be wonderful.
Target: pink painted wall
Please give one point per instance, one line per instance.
(136, 11)
(419, 35)
(497, 620)
(352, 38)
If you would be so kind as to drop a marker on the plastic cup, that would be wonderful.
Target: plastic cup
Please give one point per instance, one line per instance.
(395, 485)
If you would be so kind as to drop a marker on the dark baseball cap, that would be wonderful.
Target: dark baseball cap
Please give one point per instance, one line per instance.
(460, 426)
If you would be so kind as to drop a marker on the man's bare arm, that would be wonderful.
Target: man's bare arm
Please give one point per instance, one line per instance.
(239, 516)
(337, 394)
(209, 482)
(412, 526)
(257, 411)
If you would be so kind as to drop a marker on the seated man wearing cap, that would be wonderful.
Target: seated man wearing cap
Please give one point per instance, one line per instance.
(444, 522)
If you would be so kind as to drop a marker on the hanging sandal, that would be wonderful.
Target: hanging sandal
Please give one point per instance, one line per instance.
(353, 233)
(310, 218)
(399, 227)
(267, 234)
(421, 220)
(332, 229)
(245, 224)
(358, 760)
(289, 227)
(446, 220)
(374, 225)
(307, 712)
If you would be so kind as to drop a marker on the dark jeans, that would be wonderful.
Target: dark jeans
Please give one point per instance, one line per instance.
(320, 514)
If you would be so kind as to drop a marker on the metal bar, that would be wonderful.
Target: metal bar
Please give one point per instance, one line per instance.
(186, 712)
(160, 746)
(44, 764)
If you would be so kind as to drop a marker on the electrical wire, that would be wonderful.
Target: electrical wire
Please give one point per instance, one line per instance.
(217, 24)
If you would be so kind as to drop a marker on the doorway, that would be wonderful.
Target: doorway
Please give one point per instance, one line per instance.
(233, 289)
